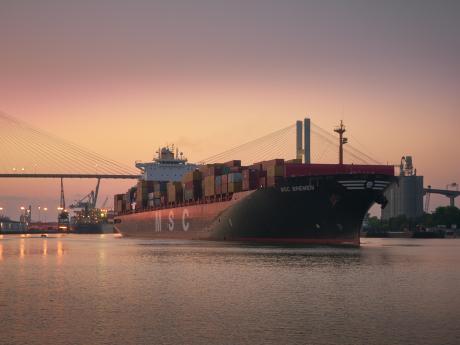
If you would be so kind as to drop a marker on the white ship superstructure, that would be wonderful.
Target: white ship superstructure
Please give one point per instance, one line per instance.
(167, 166)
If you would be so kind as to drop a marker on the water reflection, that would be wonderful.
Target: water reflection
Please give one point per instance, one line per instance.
(237, 254)
(132, 291)
(60, 249)
(22, 248)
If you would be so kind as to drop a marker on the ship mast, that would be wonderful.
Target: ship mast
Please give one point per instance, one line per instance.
(342, 141)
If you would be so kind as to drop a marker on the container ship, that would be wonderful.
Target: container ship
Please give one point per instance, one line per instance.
(275, 201)
(93, 221)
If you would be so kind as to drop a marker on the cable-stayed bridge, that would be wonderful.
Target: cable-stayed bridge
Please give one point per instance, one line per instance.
(29, 152)
(283, 143)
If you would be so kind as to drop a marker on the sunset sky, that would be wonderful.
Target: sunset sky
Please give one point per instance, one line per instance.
(124, 77)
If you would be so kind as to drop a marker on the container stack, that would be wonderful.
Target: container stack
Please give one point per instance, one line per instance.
(224, 184)
(143, 190)
(218, 185)
(160, 193)
(263, 179)
(213, 169)
(210, 182)
(151, 200)
(275, 171)
(233, 164)
(209, 186)
(235, 182)
(294, 161)
(122, 202)
(127, 200)
(118, 203)
(251, 179)
(175, 193)
(192, 185)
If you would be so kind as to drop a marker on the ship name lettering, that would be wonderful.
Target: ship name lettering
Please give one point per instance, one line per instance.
(185, 224)
(171, 221)
(305, 188)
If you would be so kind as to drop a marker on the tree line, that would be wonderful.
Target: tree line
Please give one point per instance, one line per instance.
(447, 216)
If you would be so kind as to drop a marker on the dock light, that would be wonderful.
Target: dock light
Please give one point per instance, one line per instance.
(45, 208)
(22, 208)
(60, 208)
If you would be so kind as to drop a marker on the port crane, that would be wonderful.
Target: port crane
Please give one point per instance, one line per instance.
(105, 202)
(63, 216)
(88, 202)
(87, 212)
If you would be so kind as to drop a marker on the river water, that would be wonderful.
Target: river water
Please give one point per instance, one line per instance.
(105, 290)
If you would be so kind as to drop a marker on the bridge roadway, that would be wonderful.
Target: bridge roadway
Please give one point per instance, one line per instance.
(451, 194)
(97, 176)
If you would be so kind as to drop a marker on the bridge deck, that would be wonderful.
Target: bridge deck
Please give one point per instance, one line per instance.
(445, 192)
(97, 176)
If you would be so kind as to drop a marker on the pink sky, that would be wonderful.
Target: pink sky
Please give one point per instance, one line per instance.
(123, 77)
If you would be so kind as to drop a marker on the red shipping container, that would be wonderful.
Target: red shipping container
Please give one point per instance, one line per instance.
(271, 163)
(293, 170)
(211, 169)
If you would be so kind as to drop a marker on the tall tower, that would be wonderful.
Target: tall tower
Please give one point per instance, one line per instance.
(298, 144)
(62, 201)
(306, 140)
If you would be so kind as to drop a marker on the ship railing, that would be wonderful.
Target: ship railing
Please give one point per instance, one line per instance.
(223, 197)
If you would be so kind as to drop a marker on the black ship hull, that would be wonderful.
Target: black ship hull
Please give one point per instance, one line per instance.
(306, 210)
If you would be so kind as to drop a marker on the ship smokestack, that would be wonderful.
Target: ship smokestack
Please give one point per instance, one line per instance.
(306, 138)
